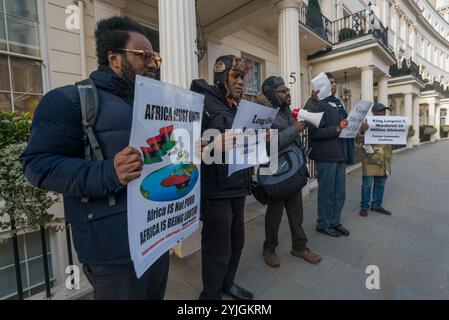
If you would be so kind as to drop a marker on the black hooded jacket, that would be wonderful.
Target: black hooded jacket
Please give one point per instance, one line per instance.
(214, 177)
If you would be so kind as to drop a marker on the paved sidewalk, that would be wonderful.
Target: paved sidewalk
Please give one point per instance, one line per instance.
(411, 247)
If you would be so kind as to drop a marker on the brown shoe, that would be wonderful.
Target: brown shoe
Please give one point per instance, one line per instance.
(307, 255)
(271, 258)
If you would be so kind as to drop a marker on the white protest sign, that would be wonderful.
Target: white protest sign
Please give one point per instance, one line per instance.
(321, 82)
(250, 149)
(164, 203)
(387, 130)
(355, 119)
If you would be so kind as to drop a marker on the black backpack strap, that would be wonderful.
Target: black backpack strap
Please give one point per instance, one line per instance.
(89, 104)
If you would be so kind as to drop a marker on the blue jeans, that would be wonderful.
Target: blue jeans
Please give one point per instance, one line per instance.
(331, 192)
(378, 192)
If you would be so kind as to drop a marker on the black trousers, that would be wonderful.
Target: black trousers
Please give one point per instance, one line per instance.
(222, 241)
(273, 217)
(120, 282)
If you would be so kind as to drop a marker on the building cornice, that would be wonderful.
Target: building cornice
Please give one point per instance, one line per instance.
(420, 17)
(363, 45)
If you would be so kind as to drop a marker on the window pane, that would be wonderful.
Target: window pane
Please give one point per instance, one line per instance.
(153, 36)
(33, 243)
(22, 8)
(6, 256)
(2, 32)
(4, 74)
(26, 75)
(8, 284)
(36, 268)
(5, 102)
(1, 6)
(23, 36)
(26, 102)
(252, 78)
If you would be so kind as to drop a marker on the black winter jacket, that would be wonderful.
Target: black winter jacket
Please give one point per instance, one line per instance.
(214, 177)
(324, 141)
(54, 160)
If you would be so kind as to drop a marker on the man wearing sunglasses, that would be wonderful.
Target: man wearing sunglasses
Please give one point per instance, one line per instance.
(56, 160)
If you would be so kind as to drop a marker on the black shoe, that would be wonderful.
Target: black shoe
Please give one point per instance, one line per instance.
(363, 212)
(340, 229)
(239, 293)
(329, 231)
(381, 210)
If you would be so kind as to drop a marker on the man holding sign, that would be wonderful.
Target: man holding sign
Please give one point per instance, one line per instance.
(95, 188)
(223, 196)
(376, 166)
(331, 154)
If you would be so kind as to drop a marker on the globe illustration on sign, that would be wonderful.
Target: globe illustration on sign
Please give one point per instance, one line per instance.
(170, 183)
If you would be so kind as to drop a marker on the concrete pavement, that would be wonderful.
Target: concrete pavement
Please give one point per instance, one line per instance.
(411, 247)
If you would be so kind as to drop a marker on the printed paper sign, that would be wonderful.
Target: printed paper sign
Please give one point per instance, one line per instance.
(355, 119)
(164, 203)
(387, 130)
(250, 149)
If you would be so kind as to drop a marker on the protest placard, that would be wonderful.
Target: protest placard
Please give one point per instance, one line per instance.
(164, 203)
(355, 118)
(250, 149)
(387, 130)
(322, 84)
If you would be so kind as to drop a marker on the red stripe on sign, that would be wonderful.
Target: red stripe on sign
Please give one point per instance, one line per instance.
(172, 233)
(185, 227)
(152, 246)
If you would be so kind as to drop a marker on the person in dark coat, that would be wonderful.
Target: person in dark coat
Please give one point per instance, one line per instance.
(223, 197)
(331, 155)
(54, 160)
(276, 95)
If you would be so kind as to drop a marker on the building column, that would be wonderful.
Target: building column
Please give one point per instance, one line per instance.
(437, 122)
(368, 83)
(408, 110)
(384, 12)
(397, 102)
(339, 9)
(289, 47)
(382, 87)
(414, 43)
(396, 28)
(177, 30)
(431, 119)
(415, 138)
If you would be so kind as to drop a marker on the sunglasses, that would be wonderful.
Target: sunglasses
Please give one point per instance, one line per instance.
(146, 56)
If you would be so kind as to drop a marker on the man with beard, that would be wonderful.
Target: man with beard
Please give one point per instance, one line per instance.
(223, 197)
(275, 94)
(55, 160)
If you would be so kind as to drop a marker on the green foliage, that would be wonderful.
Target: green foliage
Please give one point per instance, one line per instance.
(405, 70)
(411, 132)
(314, 18)
(346, 34)
(425, 131)
(14, 128)
(24, 204)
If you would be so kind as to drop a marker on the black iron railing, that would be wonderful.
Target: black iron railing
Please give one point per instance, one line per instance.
(359, 24)
(436, 86)
(311, 165)
(313, 19)
(46, 268)
(407, 68)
